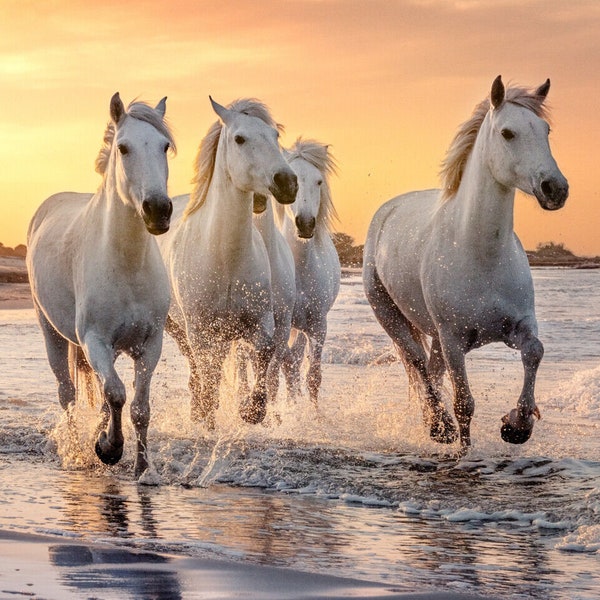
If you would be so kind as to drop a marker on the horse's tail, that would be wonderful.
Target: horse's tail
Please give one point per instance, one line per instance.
(82, 376)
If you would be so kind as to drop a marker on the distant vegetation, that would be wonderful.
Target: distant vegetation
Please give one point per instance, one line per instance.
(20, 250)
(552, 254)
(350, 255)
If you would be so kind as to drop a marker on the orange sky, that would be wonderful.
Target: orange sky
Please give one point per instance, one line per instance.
(385, 82)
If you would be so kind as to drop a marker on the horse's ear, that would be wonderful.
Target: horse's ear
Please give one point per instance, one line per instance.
(543, 90)
(161, 107)
(497, 93)
(117, 110)
(220, 110)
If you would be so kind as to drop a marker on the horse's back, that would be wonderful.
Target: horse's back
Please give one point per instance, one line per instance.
(398, 232)
(56, 213)
(50, 251)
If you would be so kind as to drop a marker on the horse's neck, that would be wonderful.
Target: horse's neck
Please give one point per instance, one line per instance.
(123, 235)
(265, 223)
(484, 209)
(227, 214)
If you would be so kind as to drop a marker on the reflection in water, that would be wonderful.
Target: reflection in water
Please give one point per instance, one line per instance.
(94, 570)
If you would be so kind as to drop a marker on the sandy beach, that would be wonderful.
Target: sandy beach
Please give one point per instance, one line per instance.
(57, 569)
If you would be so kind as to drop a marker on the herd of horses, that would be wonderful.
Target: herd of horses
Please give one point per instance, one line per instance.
(246, 262)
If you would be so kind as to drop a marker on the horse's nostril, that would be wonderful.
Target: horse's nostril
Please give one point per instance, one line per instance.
(146, 207)
(298, 224)
(547, 188)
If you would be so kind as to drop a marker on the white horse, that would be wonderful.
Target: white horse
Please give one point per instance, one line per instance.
(217, 260)
(449, 265)
(306, 225)
(98, 281)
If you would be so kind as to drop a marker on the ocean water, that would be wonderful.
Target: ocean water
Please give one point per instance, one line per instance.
(352, 489)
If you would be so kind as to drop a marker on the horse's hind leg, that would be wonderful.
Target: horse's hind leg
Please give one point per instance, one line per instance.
(412, 353)
(314, 374)
(57, 349)
(292, 363)
(518, 424)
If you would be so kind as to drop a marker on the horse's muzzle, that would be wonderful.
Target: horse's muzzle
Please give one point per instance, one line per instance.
(284, 187)
(305, 227)
(552, 193)
(156, 212)
(259, 203)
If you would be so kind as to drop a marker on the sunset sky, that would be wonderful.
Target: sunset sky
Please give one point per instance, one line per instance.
(385, 82)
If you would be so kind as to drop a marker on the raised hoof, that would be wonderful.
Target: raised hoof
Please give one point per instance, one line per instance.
(512, 435)
(106, 452)
(254, 409)
(443, 431)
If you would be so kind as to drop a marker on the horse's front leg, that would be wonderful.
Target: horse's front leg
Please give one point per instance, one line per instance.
(517, 425)
(253, 408)
(464, 404)
(109, 444)
(140, 406)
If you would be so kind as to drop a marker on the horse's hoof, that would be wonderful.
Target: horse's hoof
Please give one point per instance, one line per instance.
(254, 410)
(106, 452)
(512, 435)
(443, 431)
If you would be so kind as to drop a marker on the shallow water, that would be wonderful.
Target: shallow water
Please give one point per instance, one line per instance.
(356, 489)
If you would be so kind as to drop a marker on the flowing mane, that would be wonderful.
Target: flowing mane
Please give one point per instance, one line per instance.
(142, 112)
(318, 156)
(459, 151)
(204, 163)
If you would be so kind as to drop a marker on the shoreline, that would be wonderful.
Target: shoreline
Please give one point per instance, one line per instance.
(56, 568)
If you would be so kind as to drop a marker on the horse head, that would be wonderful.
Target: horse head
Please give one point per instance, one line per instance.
(312, 163)
(138, 151)
(518, 152)
(255, 162)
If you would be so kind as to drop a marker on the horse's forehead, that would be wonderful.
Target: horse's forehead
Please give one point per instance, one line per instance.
(517, 116)
(304, 169)
(137, 130)
(250, 124)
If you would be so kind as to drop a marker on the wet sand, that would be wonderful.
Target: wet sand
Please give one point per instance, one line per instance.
(59, 568)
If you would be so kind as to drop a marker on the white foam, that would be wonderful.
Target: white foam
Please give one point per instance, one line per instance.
(585, 539)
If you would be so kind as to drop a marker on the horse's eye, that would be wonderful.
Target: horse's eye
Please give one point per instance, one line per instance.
(320, 182)
(167, 146)
(239, 139)
(507, 134)
(123, 149)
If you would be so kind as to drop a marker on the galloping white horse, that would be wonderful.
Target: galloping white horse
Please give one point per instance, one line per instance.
(449, 265)
(97, 278)
(217, 260)
(306, 225)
